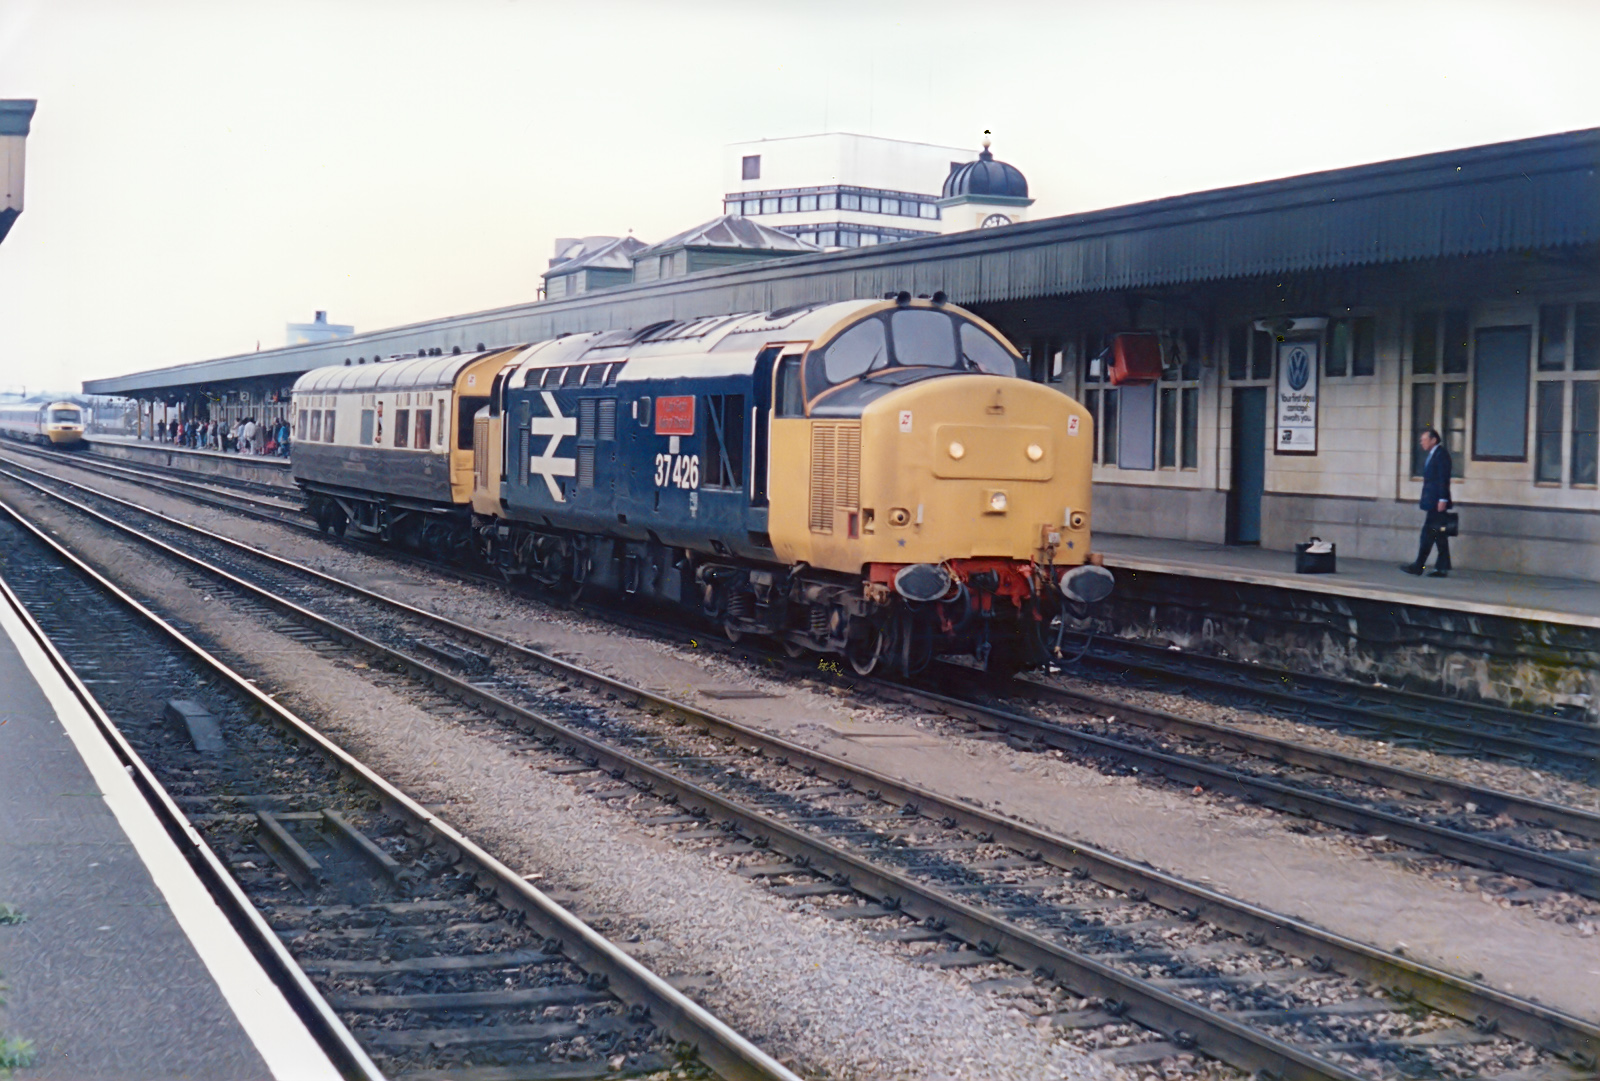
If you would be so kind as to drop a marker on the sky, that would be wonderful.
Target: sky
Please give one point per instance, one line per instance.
(200, 174)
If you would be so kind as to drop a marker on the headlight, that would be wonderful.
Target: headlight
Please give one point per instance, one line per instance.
(957, 450)
(997, 502)
(1035, 452)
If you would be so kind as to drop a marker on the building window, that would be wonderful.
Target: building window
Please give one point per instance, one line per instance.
(809, 238)
(828, 238)
(849, 240)
(808, 203)
(828, 200)
(750, 167)
(769, 206)
(732, 206)
(1249, 354)
(1178, 406)
(752, 206)
(1439, 384)
(930, 210)
(889, 206)
(868, 239)
(1100, 398)
(788, 204)
(869, 204)
(849, 201)
(1352, 348)
(1566, 421)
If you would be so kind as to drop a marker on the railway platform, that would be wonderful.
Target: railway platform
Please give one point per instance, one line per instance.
(253, 467)
(1518, 639)
(115, 959)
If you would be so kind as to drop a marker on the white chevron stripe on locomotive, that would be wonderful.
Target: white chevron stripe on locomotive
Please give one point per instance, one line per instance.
(557, 427)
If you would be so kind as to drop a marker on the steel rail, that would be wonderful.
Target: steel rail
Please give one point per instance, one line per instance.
(1426, 785)
(727, 1052)
(269, 951)
(1152, 1006)
(1259, 680)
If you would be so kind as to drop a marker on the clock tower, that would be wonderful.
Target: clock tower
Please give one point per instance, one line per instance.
(983, 194)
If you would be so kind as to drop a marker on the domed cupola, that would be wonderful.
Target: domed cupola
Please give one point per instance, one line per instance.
(983, 194)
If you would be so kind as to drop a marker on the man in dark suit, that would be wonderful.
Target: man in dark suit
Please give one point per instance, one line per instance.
(1435, 501)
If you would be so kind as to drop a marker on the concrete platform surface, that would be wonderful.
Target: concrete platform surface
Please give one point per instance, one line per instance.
(123, 966)
(1569, 601)
(269, 462)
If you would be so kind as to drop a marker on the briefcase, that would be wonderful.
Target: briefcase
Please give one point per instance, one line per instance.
(1450, 526)
(1315, 557)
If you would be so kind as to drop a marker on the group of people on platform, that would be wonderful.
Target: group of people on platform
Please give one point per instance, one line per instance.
(248, 436)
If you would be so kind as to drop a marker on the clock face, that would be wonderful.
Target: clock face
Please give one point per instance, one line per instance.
(993, 220)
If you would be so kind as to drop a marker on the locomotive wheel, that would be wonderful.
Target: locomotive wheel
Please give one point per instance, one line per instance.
(864, 653)
(792, 650)
(732, 633)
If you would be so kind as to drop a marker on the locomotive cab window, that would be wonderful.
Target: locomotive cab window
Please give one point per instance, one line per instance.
(984, 353)
(791, 402)
(859, 350)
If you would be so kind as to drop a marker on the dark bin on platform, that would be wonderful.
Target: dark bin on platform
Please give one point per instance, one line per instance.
(1309, 562)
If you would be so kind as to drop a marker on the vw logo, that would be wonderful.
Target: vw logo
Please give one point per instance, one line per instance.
(1299, 369)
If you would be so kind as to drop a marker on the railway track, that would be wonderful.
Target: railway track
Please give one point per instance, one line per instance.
(967, 887)
(411, 952)
(1550, 845)
(1393, 714)
(1396, 714)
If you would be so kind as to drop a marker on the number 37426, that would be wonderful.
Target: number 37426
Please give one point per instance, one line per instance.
(677, 471)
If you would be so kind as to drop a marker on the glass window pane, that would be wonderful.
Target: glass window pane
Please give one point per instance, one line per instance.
(1261, 351)
(1424, 343)
(769, 206)
(789, 204)
(1337, 360)
(1168, 450)
(1091, 402)
(1500, 398)
(890, 206)
(849, 201)
(1364, 347)
(988, 355)
(402, 427)
(923, 337)
(849, 240)
(1585, 431)
(1552, 337)
(1454, 354)
(1191, 355)
(808, 202)
(1239, 351)
(1191, 428)
(1586, 338)
(828, 238)
(862, 348)
(752, 206)
(1547, 449)
(1454, 410)
(1421, 421)
(1108, 429)
(869, 204)
(929, 210)
(732, 206)
(828, 201)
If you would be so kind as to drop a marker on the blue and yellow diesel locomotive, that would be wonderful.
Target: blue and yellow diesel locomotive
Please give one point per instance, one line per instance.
(875, 479)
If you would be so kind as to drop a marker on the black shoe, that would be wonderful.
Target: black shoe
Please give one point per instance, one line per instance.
(1411, 568)
(1437, 573)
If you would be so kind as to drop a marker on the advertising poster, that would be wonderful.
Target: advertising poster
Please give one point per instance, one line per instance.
(1297, 397)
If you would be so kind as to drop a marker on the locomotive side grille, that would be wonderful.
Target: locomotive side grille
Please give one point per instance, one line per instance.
(608, 419)
(835, 472)
(586, 418)
(523, 463)
(585, 466)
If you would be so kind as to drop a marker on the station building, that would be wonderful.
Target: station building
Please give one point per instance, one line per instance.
(1311, 326)
(16, 117)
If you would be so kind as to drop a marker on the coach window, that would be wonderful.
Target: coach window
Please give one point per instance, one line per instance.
(1567, 395)
(302, 422)
(316, 426)
(424, 433)
(402, 427)
(1439, 384)
(327, 426)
